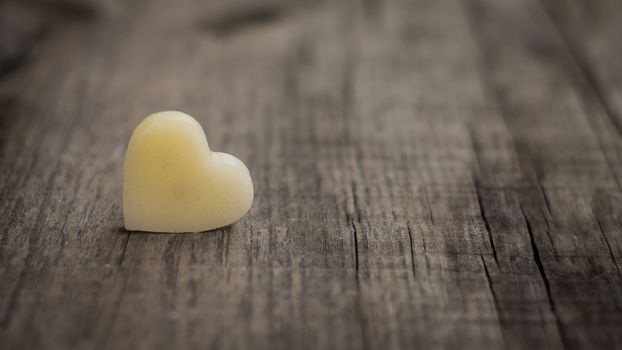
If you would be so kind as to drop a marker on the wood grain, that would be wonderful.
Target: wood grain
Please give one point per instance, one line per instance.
(430, 174)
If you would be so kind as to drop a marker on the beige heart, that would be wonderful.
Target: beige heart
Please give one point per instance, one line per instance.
(173, 182)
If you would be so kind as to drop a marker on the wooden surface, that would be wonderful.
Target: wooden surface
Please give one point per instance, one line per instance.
(431, 174)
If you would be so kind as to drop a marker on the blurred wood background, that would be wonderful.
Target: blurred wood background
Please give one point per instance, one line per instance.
(434, 174)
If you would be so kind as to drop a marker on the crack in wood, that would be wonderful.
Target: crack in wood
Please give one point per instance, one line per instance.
(125, 242)
(412, 249)
(115, 313)
(538, 260)
(353, 221)
(495, 297)
(545, 198)
(487, 225)
(604, 234)
(428, 205)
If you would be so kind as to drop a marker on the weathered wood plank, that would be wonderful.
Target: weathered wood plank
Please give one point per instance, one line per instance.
(558, 132)
(590, 31)
(434, 174)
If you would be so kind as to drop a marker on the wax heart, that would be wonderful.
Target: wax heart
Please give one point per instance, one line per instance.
(173, 182)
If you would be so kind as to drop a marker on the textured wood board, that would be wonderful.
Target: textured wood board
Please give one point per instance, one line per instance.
(433, 174)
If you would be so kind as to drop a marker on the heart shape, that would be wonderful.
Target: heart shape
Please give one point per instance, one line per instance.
(173, 182)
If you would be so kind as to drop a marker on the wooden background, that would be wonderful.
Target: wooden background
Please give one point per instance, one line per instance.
(431, 174)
